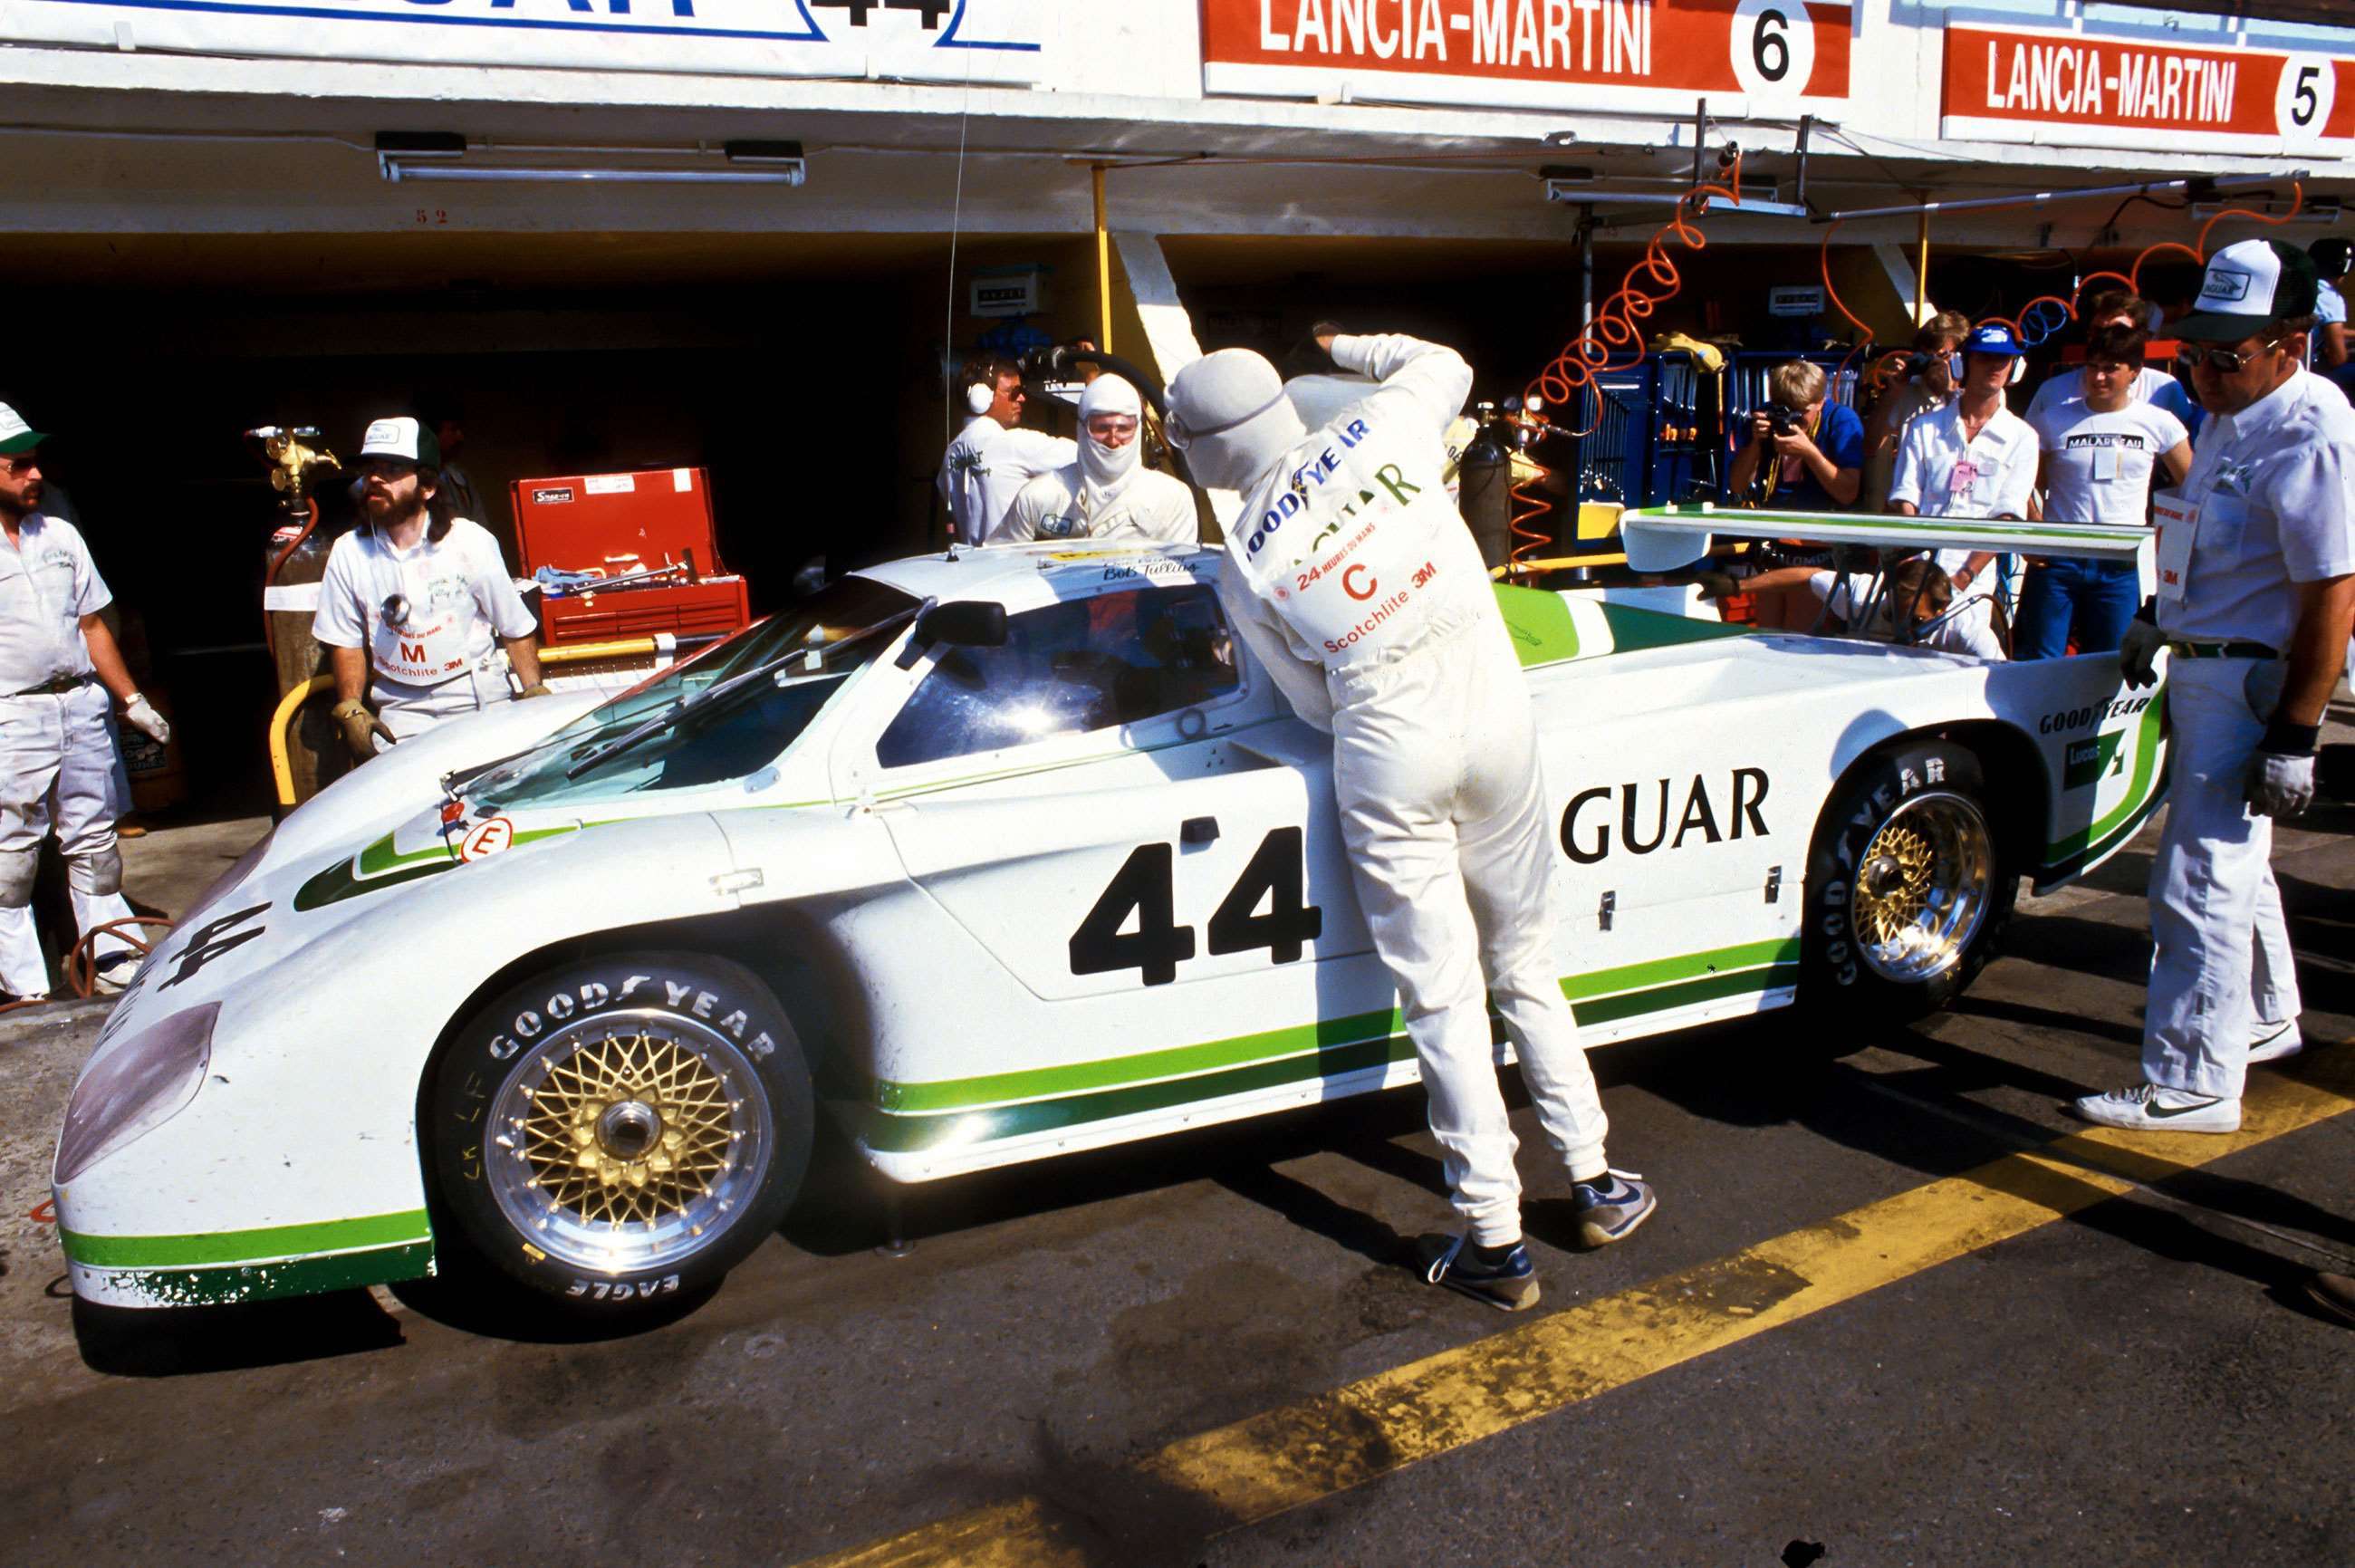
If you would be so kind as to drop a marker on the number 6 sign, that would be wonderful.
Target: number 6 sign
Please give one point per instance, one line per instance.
(1773, 47)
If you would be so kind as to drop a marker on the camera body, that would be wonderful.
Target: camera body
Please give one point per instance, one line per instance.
(1782, 419)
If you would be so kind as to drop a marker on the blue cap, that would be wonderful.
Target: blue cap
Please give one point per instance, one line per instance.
(1993, 337)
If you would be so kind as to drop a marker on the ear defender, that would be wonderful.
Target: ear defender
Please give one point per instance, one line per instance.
(2018, 369)
(977, 398)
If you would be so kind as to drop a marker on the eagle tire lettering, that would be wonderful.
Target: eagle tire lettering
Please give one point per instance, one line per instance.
(540, 1024)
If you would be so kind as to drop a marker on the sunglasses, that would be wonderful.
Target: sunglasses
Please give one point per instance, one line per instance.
(2223, 361)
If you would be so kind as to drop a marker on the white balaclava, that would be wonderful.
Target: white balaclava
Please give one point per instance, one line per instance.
(1106, 471)
(1229, 415)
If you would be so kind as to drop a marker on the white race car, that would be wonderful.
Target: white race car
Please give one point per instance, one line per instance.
(997, 855)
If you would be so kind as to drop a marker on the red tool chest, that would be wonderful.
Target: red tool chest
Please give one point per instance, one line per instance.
(620, 524)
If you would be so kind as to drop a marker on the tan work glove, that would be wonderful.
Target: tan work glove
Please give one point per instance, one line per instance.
(536, 688)
(360, 727)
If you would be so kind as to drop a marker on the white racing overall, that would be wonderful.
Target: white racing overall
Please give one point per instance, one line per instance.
(61, 764)
(1353, 577)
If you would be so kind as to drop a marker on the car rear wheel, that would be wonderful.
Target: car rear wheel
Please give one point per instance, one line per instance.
(1907, 888)
(618, 1133)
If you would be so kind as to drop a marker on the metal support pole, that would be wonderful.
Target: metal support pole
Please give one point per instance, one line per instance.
(1921, 266)
(2039, 198)
(1585, 267)
(1103, 265)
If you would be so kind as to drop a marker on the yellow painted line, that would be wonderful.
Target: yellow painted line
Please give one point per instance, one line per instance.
(1306, 1452)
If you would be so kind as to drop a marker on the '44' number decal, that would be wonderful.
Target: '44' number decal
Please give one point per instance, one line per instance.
(1146, 888)
(931, 10)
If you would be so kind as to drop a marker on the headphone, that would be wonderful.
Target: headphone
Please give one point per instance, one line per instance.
(978, 397)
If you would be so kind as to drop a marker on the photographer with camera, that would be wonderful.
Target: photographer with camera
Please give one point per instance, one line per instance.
(1802, 454)
(1929, 378)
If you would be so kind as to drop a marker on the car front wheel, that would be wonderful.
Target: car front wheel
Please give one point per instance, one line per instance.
(1906, 886)
(620, 1132)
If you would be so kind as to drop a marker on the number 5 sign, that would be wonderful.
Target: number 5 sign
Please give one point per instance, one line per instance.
(2008, 84)
(1604, 55)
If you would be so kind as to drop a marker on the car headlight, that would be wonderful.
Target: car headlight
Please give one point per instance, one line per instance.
(136, 1088)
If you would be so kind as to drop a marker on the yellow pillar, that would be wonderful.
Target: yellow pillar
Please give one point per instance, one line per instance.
(1104, 266)
(1921, 268)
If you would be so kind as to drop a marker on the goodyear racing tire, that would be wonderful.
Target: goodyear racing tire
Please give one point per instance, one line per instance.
(619, 1133)
(1907, 888)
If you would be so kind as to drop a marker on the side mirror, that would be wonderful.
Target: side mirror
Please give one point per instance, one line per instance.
(961, 624)
(965, 623)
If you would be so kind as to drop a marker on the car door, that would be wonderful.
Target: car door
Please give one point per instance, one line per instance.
(1113, 802)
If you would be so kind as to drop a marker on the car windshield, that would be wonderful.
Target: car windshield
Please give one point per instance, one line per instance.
(720, 716)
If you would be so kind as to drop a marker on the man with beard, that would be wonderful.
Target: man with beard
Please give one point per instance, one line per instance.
(1108, 493)
(414, 599)
(61, 769)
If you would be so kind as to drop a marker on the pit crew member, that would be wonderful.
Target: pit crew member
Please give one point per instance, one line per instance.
(412, 600)
(2101, 448)
(1975, 457)
(2256, 590)
(1354, 577)
(1108, 493)
(1817, 464)
(992, 457)
(60, 767)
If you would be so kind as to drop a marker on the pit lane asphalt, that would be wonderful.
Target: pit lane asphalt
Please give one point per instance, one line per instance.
(2137, 1381)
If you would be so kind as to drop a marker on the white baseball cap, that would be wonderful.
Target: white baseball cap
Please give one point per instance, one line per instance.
(17, 437)
(2248, 286)
(402, 438)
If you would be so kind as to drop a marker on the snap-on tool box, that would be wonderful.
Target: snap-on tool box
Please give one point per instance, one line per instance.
(654, 524)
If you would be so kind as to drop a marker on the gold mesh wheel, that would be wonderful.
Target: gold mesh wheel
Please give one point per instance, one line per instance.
(628, 1140)
(1922, 887)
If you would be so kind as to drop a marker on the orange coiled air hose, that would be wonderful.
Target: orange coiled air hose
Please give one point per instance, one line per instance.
(1616, 328)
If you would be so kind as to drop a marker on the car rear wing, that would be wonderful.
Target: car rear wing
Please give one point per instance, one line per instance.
(1661, 539)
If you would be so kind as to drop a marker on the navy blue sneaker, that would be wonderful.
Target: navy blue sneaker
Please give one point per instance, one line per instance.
(1508, 1284)
(1610, 1207)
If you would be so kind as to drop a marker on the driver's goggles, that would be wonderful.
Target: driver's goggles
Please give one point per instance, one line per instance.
(1102, 425)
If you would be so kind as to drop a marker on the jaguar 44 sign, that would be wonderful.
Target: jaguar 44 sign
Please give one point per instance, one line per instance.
(1533, 54)
(934, 41)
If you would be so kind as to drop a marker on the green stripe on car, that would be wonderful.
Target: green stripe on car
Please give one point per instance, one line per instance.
(1603, 995)
(271, 1243)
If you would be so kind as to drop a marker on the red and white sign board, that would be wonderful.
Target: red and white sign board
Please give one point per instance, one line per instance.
(1609, 55)
(2007, 84)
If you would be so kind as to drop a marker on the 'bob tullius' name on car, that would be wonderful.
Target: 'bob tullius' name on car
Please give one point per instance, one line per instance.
(776, 882)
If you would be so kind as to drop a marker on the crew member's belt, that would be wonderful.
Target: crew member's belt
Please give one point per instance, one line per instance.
(2220, 650)
(54, 685)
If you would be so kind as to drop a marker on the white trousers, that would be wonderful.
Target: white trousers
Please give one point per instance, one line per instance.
(2221, 973)
(1444, 809)
(412, 709)
(61, 771)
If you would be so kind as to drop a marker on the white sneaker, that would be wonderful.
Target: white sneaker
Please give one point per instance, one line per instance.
(2283, 1041)
(2147, 1108)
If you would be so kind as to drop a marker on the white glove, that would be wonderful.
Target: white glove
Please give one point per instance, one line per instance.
(2138, 653)
(2280, 783)
(142, 716)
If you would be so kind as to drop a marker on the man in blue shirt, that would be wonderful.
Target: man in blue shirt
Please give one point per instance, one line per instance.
(1818, 457)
